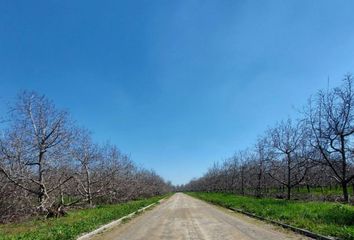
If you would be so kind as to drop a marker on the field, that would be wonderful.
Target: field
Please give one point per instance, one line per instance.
(330, 219)
(72, 225)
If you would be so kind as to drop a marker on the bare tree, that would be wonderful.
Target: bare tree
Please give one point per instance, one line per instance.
(261, 156)
(46, 164)
(35, 144)
(331, 117)
(287, 141)
(87, 155)
(231, 167)
(317, 151)
(242, 155)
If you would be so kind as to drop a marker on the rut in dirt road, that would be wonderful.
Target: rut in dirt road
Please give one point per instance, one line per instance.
(182, 217)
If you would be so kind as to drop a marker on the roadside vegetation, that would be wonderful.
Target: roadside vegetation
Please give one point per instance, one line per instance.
(326, 218)
(74, 224)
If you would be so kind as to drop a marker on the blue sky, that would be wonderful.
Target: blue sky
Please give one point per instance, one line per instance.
(176, 84)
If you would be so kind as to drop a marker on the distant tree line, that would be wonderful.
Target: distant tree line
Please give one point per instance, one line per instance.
(317, 150)
(47, 164)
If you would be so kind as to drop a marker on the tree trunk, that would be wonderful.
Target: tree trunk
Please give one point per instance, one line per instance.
(88, 186)
(288, 192)
(42, 196)
(242, 183)
(289, 177)
(258, 189)
(345, 191)
(344, 170)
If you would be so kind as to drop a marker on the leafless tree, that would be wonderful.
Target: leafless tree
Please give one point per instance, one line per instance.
(261, 157)
(87, 156)
(331, 117)
(290, 162)
(47, 163)
(34, 144)
(317, 151)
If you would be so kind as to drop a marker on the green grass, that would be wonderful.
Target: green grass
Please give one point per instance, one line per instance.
(71, 226)
(325, 191)
(302, 192)
(330, 219)
(334, 191)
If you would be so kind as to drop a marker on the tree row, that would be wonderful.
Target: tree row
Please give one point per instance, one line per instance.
(316, 150)
(48, 164)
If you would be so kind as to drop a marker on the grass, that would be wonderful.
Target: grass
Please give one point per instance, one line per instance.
(330, 219)
(302, 192)
(71, 226)
(334, 190)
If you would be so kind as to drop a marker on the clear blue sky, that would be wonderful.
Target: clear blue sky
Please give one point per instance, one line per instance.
(176, 84)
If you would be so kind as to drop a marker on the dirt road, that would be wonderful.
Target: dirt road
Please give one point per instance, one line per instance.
(184, 217)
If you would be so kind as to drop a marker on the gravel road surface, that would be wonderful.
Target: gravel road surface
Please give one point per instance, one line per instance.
(182, 217)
